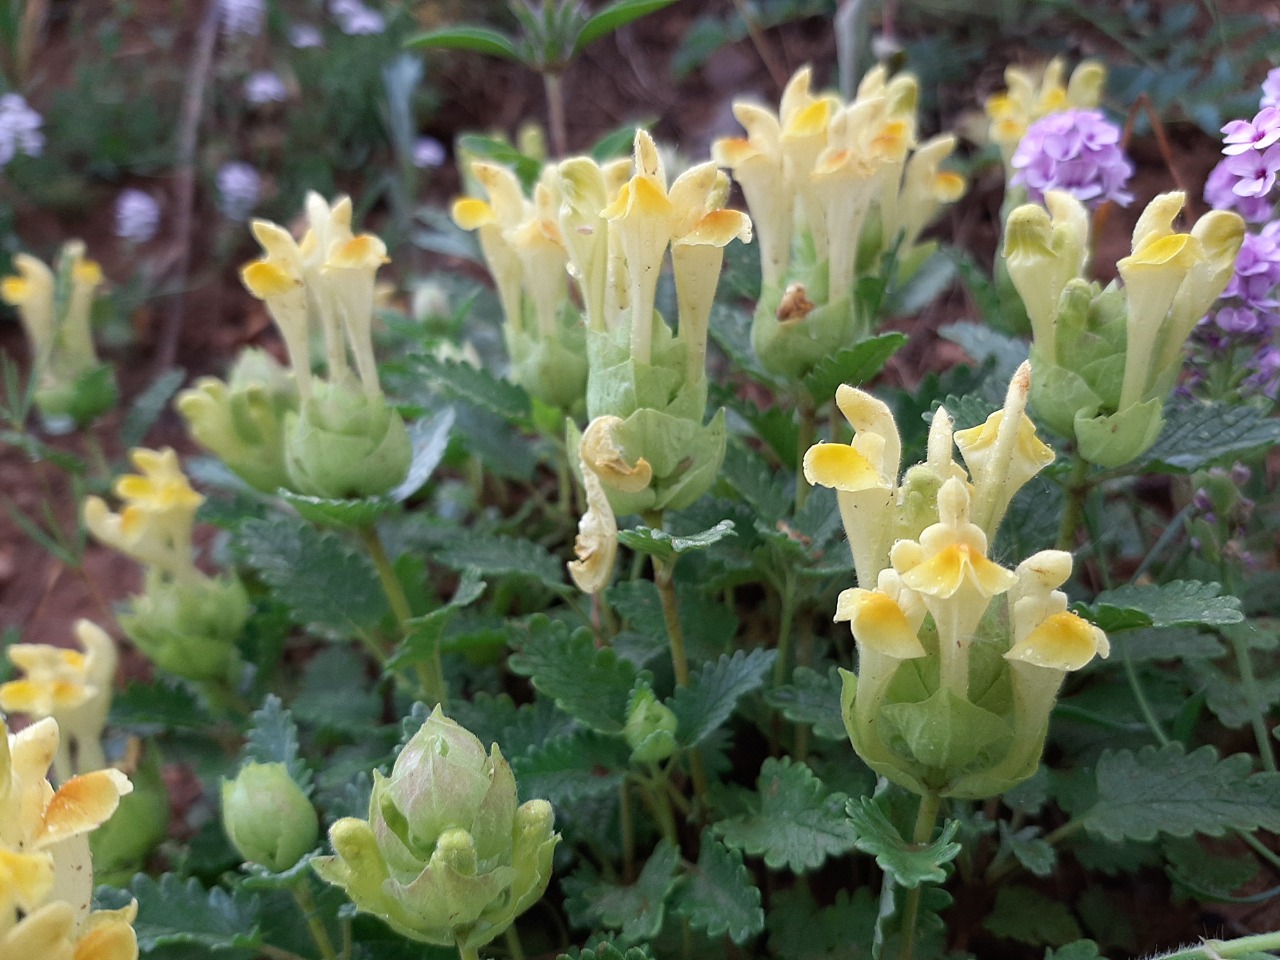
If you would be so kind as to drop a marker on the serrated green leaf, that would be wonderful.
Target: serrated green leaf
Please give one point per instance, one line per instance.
(1198, 435)
(273, 738)
(171, 913)
(1028, 848)
(720, 898)
(565, 771)
(336, 694)
(614, 16)
(590, 684)
(665, 546)
(986, 345)
(466, 37)
(1179, 603)
(714, 690)
(763, 487)
(497, 556)
(909, 864)
(163, 703)
(1079, 950)
(1204, 873)
(325, 512)
(636, 911)
(422, 634)
(1169, 643)
(801, 930)
(792, 822)
(606, 951)
(1027, 916)
(430, 439)
(326, 584)
(813, 699)
(853, 366)
(148, 406)
(476, 386)
(1166, 790)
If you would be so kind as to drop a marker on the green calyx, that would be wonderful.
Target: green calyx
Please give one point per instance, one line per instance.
(267, 817)
(189, 626)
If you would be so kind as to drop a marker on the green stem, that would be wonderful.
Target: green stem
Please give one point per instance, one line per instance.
(431, 671)
(1077, 489)
(786, 625)
(466, 952)
(628, 833)
(319, 932)
(514, 946)
(555, 113)
(1140, 696)
(926, 817)
(1249, 685)
(804, 440)
(655, 798)
(275, 953)
(1226, 949)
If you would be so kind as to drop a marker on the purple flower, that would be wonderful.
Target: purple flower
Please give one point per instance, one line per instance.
(265, 86)
(355, 19)
(19, 129)
(1255, 172)
(238, 189)
(428, 152)
(1077, 151)
(137, 216)
(1218, 193)
(1259, 133)
(241, 17)
(1257, 270)
(305, 36)
(1240, 322)
(1271, 89)
(1266, 372)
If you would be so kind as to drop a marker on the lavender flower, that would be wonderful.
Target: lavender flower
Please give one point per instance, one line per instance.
(1077, 151)
(264, 86)
(1265, 376)
(428, 152)
(1255, 171)
(354, 18)
(238, 189)
(19, 129)
(1257, 269)
(241, 17)
(1259, 133)
(304, 36)
(137, 216)
(1271, 89)
(1218, 193)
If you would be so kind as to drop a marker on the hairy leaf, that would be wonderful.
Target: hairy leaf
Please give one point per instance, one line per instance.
(719, 897)
(665, 546)
(909, 864)
(336, 694)
(1166, 790)
(1198, 435)
(564, 771)
(273, 738)
(163, 703)
(174, 914)
(636, 911)
(853, 366)
(801, 930)
(813, 699)
(792, 821)
(1179, 603)
(714, 691)
(476, 386)
(497, 555)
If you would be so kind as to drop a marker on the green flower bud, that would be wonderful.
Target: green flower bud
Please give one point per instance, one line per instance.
(242, 421)
(188, 627)
(650, 728)
(121, 844)
(446, 856)
(268, 818)
(344, 442)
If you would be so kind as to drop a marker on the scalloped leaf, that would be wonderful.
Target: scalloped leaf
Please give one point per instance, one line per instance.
(476, 386)
(1198, 435)
(714, 690)
(909, 864)
(176, 914)
(497, 556)
(853, 366)
(636, 911)
(665, 546)
(584, 765)
(1179, 603)
(812, 699)
(719, 897)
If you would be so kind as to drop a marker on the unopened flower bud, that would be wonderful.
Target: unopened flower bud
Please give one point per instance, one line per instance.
(268, 818)
(650, 728)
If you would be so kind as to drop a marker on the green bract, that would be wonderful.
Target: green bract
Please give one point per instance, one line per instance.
(268, 818)
(188, 626)
(446, 856)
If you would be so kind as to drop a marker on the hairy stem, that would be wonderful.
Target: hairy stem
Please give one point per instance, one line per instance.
(926, 817)
(315, 925)
(1077, 489)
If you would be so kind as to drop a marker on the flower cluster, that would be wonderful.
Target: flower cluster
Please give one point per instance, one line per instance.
(137, 216)
(1032, 95)
(185, 621)
(241, 18)
(831, 187)
(959, 658)
(45, 862)
(55, 308)
(1075, 151)
(1106, 359)
(263, 87)
(19, 129)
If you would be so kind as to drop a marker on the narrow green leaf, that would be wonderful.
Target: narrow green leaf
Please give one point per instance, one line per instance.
(792, 821)
(1179, 603)
(614, 16)
(909, 864)
(854, 366)
(586, 682)
(499, 151)
(720, 898)
(618, 142)
(665, 546)
(466, 37)
(714, 691)
(1167, 790)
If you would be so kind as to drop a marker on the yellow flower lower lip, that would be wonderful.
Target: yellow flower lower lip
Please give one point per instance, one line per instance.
(841, 467)
(81, 804)
(1064, 641)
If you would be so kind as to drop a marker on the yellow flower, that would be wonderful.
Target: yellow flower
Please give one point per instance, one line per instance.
(278, 280)
(30, 290)
(1033, 94)
(53, 933)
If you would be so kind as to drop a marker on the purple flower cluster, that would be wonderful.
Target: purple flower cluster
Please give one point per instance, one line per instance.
(19, 129)
(1252, 150)
(355, 19)
(1077, 151)
(241, 17)
(239, 186)
(137, 216)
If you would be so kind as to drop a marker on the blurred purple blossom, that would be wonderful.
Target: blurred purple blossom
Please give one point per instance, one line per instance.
(19, 129)
(1265, 377)
(241, 17)
(1257, 269)
(1218, 193)
(1271, 89)
(137, 216)
(1077, 151)
(428, 152)
(238, 188)
(265, 86)
(304, 36)
(354, 18)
